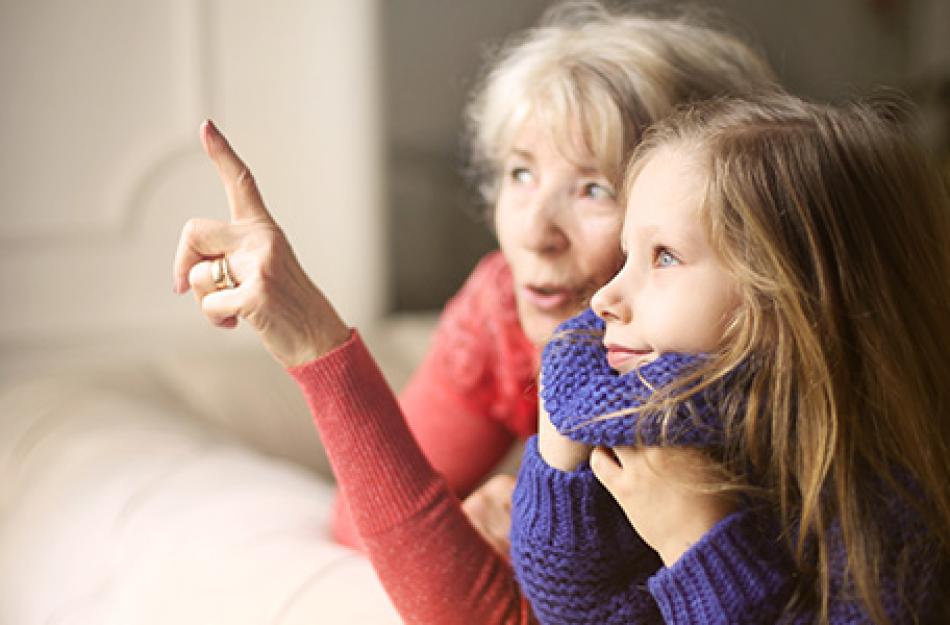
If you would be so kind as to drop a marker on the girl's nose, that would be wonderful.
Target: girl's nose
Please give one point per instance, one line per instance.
(609, 304)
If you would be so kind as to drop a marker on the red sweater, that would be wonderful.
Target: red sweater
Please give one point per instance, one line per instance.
(474, 393)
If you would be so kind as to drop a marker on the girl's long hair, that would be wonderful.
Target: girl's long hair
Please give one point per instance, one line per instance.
(837, 230)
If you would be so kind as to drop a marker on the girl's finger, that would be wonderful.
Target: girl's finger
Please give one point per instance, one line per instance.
(626, 455)
(200, 239)
(605, 466)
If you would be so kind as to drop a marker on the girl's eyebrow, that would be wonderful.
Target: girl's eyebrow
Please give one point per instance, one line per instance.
(655, 231)
(653, 234)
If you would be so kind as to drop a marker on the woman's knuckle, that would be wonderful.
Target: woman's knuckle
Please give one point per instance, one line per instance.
(196, 226)
(255, 300)
(263, 287)
(245, 179)
(195, 275)
(270, 238)
(188, 230)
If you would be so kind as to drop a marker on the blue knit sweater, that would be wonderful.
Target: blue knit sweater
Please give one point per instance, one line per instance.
(579, 561)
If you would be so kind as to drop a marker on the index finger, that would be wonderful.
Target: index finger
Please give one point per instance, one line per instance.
(244, 198)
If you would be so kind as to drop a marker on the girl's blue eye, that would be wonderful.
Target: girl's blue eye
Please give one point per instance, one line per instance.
(664, 258)
(597, 191)
(521, 174)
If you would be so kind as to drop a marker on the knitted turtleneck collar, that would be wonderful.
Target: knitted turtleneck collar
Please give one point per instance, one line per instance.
(579, 387)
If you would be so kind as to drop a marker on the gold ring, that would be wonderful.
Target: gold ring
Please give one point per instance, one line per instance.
(221, 274)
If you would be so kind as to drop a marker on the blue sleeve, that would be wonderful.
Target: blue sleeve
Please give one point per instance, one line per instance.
(741, 573)
(732, 576)
(575, 555)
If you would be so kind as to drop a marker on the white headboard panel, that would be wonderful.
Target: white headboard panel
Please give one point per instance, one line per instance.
(100, 163)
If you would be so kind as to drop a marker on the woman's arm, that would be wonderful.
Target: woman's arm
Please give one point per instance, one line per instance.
(434, 565)
(472, 395)
(450, 425)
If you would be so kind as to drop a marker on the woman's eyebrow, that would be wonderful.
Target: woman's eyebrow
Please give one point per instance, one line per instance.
(523, 153)
(587, 169)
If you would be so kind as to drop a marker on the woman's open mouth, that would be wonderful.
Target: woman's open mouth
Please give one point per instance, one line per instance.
(547, 298)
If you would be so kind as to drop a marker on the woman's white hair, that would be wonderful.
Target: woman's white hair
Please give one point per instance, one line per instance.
(602, 75)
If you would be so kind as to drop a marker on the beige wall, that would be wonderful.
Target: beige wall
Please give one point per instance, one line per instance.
(100, 163)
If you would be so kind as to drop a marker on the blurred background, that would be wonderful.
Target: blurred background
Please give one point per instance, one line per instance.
(350, 115)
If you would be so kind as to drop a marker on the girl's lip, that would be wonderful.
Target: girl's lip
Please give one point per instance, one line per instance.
(547, 299)
(625, 359)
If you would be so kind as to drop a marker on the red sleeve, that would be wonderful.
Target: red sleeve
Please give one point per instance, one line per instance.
(474, 392)
(435, 566)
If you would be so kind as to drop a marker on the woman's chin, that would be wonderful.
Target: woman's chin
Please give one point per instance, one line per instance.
(539, 325)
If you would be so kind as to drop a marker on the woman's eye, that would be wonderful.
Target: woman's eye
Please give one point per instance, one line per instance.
(597, 191)
(521, 174)
(664, 258)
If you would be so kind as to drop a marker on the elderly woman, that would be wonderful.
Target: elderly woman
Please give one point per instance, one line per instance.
(552, 124)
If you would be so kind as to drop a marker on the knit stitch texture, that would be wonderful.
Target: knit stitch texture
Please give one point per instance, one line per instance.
(579, 388)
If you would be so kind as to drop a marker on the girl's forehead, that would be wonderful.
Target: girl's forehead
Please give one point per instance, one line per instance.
(667, 191)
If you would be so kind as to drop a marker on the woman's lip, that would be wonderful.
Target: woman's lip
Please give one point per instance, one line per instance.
(547, 299)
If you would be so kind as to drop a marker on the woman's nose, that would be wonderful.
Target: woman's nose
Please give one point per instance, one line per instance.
(609, 305)
(544, 230)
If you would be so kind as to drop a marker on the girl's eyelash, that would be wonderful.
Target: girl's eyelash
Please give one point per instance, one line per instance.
(664, 257)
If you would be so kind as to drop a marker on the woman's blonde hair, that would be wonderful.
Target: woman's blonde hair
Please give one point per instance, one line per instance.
(605, 74)
(837, 230)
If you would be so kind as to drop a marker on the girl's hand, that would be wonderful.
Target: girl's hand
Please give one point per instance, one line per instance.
(557, 450)
(293, 318)
(665, 493)
(489, 510)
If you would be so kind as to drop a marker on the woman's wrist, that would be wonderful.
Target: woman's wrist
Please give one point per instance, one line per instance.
(320, 342)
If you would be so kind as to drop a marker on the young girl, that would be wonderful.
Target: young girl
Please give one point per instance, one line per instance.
(776, 396)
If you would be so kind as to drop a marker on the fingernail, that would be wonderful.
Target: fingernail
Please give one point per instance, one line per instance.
(211, 127)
